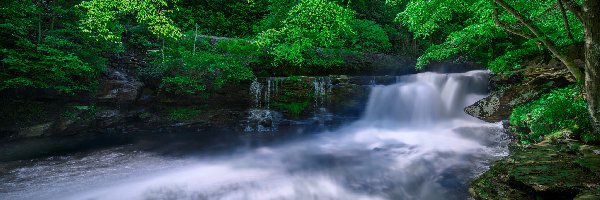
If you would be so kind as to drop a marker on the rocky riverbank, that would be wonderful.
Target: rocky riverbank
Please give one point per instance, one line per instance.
(564, 170)
(553, 169)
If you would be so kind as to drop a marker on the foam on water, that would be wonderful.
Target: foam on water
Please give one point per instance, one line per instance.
(413, 142)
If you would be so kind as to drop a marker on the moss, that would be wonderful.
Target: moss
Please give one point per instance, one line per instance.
(294, 108)
(183, 113)
(551, 171)
(295, 96)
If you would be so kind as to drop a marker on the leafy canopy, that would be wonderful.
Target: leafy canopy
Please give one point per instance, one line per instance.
(308, 25)
(42, 47)
(104, 18)
(469, 29)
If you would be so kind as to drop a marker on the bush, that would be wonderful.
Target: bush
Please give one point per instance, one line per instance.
(556, 113)
(310, 28)
(370, 37)
(185, 68)
(47, 65)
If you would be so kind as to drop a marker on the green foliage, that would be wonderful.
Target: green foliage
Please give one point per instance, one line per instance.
(54, 55)
(182, 84)
(295, 96)
(510, 61)
(45, 65)
(294, 108)
(192, 69)
(469, 29)
(220, 17)
(370, 37)
(278, 12)
(104, 19)
(560, 110)
(311, 27)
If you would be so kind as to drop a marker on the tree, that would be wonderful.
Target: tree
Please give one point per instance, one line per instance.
(103, 19)
(544, 24)
(43, 48)
(308, 26)
(591, 9)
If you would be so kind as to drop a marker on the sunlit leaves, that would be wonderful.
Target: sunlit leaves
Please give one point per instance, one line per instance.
(469, 26)
(309, 25)
(103, 18)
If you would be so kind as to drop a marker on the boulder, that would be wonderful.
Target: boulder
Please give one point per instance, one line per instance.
(35, 130)
(119, 86)
(499, 104)
(566, 170)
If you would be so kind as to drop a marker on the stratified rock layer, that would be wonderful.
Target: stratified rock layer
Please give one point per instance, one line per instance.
(500, 103)
(568, 170)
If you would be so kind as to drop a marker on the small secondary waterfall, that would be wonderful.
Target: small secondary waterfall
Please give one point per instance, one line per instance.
(413, 142)
(263, 118)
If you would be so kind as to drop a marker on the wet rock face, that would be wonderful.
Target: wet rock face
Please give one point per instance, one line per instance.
(567, 170)
(35, 131)
(119, 86)
(499, 104)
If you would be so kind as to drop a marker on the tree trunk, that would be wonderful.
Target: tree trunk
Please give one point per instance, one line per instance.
(195, 39)
(591, 9)
(39, 28)
(569, 63)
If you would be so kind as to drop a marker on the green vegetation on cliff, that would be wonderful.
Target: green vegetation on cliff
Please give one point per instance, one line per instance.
(561, 113)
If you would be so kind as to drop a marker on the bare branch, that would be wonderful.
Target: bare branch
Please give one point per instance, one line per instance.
(575, 8)
(565, 20)
(508, 28)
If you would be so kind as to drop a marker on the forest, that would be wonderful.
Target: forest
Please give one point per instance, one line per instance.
(79, 76)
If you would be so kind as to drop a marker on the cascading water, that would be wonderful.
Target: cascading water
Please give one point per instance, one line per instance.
(261, 118)
(413, 142)
(322, 90)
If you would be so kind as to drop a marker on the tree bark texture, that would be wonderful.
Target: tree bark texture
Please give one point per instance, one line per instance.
(591, 9)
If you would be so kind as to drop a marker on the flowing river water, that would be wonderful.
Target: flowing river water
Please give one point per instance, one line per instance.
(413, 141)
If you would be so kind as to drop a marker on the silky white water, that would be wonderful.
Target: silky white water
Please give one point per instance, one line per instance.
(413, 142)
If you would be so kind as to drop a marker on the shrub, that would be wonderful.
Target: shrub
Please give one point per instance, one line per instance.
(562, 110)
(185, 68)
(370, 37)
(310, 27)
(47, 65)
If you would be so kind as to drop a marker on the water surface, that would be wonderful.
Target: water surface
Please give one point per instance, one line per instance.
(412, 142)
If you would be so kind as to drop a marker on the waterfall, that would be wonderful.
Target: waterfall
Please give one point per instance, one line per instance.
(413, 142)
(263, 118)
(255, 91)
(260, 117)
(425, 99)
(322, 91)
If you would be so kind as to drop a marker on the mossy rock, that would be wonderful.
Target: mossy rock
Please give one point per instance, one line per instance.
(590, 160)
(548, 171)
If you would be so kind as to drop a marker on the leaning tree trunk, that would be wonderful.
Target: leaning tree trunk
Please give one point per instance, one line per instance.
(568, 61)
(591, 23)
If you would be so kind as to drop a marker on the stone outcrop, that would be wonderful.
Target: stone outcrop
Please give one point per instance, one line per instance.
(568, 170)
(500, 103)
(35, 130)
(119, 86)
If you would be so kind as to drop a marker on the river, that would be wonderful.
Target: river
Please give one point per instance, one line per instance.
(413, 141)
